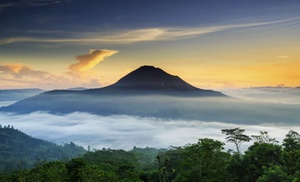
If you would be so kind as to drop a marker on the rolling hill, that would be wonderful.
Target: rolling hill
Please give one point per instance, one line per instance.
(19, 150)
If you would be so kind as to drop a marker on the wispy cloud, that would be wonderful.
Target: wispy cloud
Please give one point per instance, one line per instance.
(139, 35)
(282, 57)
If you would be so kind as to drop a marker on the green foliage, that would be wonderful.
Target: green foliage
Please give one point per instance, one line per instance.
(261, 155)
(54, 171)
(291, 153)
(72, 150)
(91, 173)
(235, 168)
(236, 136)
(74, 167)
(18, 150)
(110, 156)
(205, 160)
(274, 174)
(121, 164)
(264, 137)
(147, 157)
(168, 163)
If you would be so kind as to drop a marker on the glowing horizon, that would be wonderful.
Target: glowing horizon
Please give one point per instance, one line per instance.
(248, 46)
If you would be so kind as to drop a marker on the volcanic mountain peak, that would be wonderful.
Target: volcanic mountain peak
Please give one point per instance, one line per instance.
(129, 95)
(150, 77)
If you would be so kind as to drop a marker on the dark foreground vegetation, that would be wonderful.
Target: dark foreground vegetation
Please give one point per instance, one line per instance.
(264, 161)
(20, 151)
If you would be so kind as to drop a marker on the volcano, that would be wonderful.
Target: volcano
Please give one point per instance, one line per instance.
(141, 88)
(148, 80)
(152, 92)
(151, 78)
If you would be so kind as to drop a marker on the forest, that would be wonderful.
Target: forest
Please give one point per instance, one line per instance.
(264, 161)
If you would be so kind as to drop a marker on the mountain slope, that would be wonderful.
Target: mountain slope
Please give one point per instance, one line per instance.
(138, 93)
(18, 94)
(17, 148)
(149, 77)
(148, 80)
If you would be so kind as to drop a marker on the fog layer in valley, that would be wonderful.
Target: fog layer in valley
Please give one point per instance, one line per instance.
(284, 95)
(228, 110)
(120, 130)
(126, 131)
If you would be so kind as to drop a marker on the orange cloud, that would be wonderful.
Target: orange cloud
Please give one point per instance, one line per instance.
(15, 75)
(19, 71)
(90, 60)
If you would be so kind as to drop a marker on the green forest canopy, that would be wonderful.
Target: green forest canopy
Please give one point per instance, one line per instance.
(265, 160)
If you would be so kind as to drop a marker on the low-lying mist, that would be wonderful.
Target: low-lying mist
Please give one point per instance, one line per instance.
(225, 109)
(283, 95)
(125, 132)
(161, 121)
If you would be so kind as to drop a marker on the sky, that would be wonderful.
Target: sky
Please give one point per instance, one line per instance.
(59, 44)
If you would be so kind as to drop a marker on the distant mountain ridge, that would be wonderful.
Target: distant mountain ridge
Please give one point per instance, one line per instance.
(18, 94)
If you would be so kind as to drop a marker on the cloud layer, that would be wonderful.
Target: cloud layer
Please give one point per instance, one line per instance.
(121, 131)
(283, 95)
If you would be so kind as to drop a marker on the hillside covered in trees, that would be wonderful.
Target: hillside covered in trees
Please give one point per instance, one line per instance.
(265, 160)
(18, 150)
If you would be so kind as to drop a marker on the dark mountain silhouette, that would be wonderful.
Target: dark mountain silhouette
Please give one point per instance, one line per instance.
(138, 93)
(151, 80)
(149, 77)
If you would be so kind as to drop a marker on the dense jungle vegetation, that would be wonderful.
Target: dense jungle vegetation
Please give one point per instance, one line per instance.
(264, 161)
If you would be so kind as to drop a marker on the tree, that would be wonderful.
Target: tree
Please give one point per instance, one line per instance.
(291, 152)
(74, 167)
(264, 137)
(203, 161)
(168, 163)
(236, 136)
(291, 141)
(235, 168)
(261, 155)
(90, 173)
(50, 171)
(274, 174)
